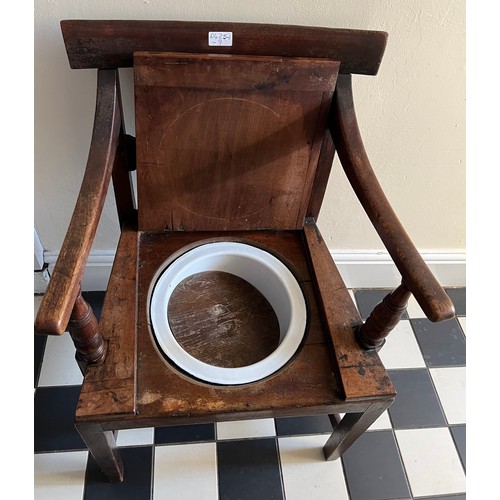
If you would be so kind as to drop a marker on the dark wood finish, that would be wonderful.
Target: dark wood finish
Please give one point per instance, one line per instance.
(361, 372)
(122, 185)
(347, 138)
(288, 246)
(111, 43)
(308, 381)
(84, 330)
(102, 446)
(310, 374)
(384, 317)
(222, 320)
(322, 175)
(207, 172)
(236, 72)
(255, 149)
(306, 386)
(109, 389)
(335, 419)
(350, 427)
(123, 165)
(63, 288)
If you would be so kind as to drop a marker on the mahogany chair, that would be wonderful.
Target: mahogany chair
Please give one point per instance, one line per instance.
(235, 139)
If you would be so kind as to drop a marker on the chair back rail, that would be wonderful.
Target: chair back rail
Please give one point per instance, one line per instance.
(111, 43)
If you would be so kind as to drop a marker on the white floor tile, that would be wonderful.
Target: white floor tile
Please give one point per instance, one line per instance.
(413, 309)
(135, 437)
(462, 321)
(353, 297)
(185, 472)
(59, 366)
(246, 429)
(59, 475)
(401, 349)
(431, 461)
(382, 422)
(450, 386)
(306, 474)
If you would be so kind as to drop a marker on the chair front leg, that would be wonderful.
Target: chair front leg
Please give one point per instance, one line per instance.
(382, 320)
(102, 446)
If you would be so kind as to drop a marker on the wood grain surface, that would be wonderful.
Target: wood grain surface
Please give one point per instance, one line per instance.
(222, 320)
(228, 157)
(111, 43)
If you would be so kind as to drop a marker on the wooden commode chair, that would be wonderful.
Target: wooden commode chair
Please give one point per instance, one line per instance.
(224, 302)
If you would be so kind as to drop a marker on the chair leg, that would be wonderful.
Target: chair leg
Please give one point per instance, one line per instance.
(382, 320)
(350, 428)
(84, 330)
(102, 446)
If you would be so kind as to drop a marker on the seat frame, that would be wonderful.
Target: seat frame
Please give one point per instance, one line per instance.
(338, 369)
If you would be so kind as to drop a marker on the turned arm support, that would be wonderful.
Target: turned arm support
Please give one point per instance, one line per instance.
(417, 277)
(64, 286)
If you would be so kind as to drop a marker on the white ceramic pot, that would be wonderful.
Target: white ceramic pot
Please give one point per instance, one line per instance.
(259, 268)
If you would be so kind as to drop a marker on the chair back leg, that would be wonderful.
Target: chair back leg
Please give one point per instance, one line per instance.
(348, 429)
(102, 446)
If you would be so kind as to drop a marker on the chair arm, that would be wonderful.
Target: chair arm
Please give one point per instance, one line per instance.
(64, 285)
(416, 275)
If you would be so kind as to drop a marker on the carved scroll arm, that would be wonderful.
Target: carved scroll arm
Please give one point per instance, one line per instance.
(417, 278)
(64, 286)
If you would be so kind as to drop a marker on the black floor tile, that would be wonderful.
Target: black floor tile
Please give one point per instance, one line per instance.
(54, 414)
(40, 341)
(416, 404)
(458, 433)
(442, 344)
(249, 470)
(373, 468)
(368, 299)
(458, 297)
(293, 426)
(184, 433)
(137, 482)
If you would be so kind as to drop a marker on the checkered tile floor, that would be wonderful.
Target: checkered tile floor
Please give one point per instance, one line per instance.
(415, 450)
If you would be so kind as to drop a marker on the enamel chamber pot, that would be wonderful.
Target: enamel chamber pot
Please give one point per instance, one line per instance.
(259, 268)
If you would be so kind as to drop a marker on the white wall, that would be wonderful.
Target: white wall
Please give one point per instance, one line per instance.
(412, 115)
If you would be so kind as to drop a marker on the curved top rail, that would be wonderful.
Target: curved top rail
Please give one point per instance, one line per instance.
(107, 44)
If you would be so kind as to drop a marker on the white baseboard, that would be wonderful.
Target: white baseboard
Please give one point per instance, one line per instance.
(377, 270)
(42, 278)
(38, 252)
(358, 269)
(97, 271)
